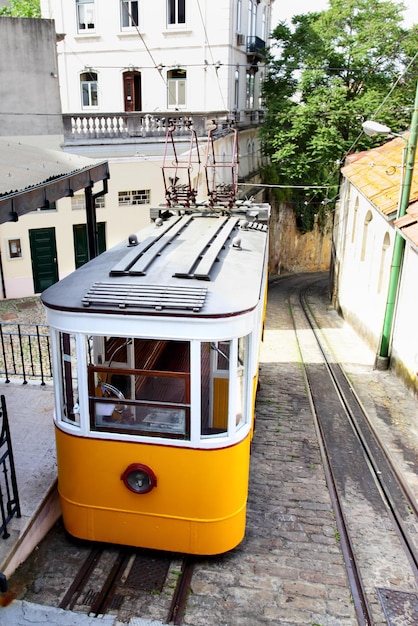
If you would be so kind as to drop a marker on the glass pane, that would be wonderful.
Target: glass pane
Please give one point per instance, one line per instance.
(69, 380)
(85, 94)
(181, 92)
(182, 11)
(171, 11)
(125, 15)
(93, 94)
(172, 91)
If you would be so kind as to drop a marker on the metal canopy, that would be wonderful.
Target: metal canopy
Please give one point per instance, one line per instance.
(31, 177)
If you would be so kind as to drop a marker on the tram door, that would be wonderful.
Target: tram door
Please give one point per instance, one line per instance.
(219, 392)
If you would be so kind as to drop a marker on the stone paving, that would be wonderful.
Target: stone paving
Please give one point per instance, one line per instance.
(289, 570)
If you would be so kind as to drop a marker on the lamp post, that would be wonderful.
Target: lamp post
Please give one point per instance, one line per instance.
(371, 129)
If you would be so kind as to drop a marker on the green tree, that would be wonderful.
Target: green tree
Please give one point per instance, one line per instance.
(332, 71)
(21, 8)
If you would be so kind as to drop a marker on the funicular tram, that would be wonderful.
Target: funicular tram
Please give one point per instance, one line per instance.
(155, 348)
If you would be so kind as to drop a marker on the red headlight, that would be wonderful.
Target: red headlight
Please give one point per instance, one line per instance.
(139, 478)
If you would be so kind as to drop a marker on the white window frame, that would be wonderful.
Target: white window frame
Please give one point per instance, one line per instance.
(174, 9)
(176, 91)
(130, 15)
(82, 7)
(90, 93)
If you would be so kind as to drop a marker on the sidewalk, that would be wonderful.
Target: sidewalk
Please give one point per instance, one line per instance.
(30, 410)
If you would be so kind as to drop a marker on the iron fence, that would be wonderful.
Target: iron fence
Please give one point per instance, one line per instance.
(9, 497)
(25, 352)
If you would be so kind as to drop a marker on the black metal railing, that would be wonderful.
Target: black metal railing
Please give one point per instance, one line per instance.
(9, 497)
(25, 352)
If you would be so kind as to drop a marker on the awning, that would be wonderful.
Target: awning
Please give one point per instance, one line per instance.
(31, 177)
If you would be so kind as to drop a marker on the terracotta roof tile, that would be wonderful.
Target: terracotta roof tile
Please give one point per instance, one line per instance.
(377, 174)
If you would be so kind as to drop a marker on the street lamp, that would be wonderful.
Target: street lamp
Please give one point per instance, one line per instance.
(371, 129)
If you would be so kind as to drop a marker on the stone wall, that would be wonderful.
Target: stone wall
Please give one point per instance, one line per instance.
(292, 251)
(29, 87)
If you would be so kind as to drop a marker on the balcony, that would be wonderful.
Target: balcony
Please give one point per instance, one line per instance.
(106, 128)
(256, 49)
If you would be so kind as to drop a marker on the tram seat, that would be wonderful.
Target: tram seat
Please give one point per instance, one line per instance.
(147, 353)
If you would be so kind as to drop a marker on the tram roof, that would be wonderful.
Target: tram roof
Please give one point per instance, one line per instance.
(195, 265)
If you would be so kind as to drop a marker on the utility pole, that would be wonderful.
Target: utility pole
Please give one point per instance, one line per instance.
(382, 357)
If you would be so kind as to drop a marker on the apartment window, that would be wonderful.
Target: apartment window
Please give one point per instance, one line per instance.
(140, 196)
(129, 14)
(15, 249)
(252, 17)
(236, 89)
(239, 15)
(176, 87)
(250, 87)
(88, 83)
(78, 202)
(176, 12)
(85, 15)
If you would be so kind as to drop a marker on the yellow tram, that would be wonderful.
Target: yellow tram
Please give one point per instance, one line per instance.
(155, 349)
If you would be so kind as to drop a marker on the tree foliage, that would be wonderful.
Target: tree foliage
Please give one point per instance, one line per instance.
(21, 8)
(331, 71)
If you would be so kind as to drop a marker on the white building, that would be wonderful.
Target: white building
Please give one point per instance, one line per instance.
(193, 56)
(126, 71)
(364, 235)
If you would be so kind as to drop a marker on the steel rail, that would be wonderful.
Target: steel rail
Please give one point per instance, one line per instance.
(394, 486)
(361, 603)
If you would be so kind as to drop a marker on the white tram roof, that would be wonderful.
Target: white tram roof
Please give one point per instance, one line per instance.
(188, 265)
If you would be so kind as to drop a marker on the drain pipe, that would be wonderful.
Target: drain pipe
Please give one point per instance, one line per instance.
(382, 357)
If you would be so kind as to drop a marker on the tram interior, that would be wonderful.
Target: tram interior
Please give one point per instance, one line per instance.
(151, 381)
(143, 386)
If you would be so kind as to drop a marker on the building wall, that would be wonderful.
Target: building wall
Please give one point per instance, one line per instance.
(206, 46)
(404, 356)
(363, 243)
(364, 252)
(29, 89)
(132, 173)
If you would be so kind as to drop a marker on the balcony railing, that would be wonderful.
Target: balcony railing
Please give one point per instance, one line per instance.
(94, 127)
(255, 46)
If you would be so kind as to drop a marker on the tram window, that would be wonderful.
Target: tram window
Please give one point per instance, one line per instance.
(69, 381)
(214, 387)
(241, 386)
(141, 386)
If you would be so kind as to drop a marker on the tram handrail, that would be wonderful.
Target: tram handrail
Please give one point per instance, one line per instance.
(25, 352)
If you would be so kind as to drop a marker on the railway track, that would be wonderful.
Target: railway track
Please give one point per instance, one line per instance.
(111, 576)
(357, 466)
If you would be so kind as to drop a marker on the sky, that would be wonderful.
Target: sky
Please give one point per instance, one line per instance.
(284, 10)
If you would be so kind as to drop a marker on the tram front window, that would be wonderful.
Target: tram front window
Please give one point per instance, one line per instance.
(140, 386)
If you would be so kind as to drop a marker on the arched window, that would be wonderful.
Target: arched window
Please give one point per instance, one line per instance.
(176, 88)
(367, 221)
(385, 246)
(88, 84)
(355, 215)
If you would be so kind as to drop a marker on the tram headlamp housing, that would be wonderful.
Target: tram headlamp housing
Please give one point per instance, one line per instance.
(139, 478)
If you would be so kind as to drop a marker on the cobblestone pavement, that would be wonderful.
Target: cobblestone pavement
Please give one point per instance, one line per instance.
(289, 569)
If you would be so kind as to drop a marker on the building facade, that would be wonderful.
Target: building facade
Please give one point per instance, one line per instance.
(122, 73)
(132, 56)
(365, 228)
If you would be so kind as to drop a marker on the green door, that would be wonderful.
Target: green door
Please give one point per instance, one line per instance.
(43, 251)
(81, 254)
